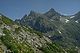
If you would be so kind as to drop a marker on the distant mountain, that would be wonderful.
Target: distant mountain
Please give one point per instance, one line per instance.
(41, 22)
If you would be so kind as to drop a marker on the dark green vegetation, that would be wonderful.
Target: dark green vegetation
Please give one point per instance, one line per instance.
(6, 20)
(52, 48)
(14, 45)
(17, 30)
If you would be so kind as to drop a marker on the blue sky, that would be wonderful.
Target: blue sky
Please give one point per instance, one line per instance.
(17, 8)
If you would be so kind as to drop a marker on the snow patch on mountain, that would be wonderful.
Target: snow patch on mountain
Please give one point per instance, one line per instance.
(66, 20)
(72, 16)
(60, 32)
(49, 36)
(77, 21)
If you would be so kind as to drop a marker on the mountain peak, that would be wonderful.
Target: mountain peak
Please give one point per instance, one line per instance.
(32, 13)
(52, 10)
(51, 13)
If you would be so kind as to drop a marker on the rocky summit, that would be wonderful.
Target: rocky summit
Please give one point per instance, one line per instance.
(49, 32)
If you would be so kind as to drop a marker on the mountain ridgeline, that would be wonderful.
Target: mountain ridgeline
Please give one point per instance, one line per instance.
(40, 22)
(49, 32)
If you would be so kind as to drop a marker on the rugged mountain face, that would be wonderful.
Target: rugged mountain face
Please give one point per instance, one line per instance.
(41, 22)
(37, 21)
(15, 38)
(63, 30)
(77, 16)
